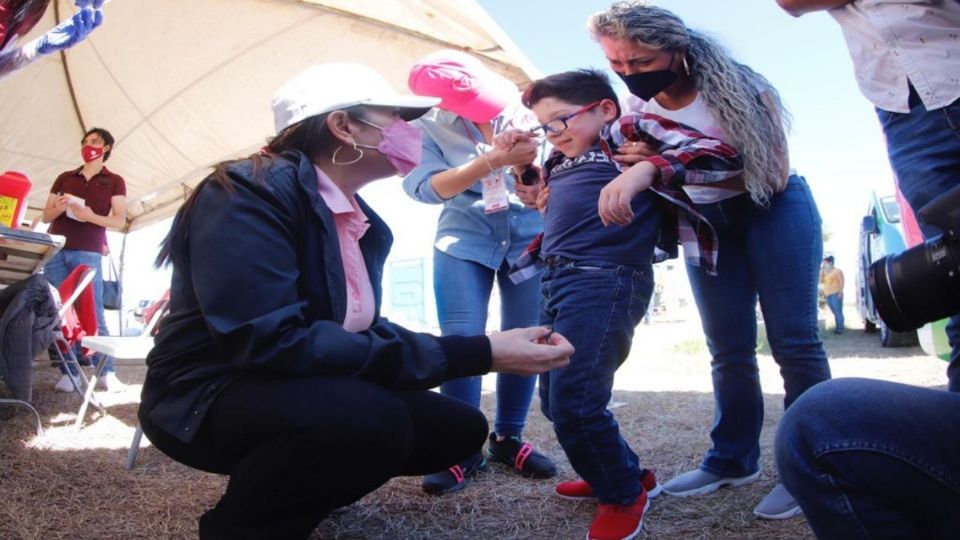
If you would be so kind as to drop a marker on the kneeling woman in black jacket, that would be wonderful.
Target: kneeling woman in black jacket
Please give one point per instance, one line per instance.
(274, 365)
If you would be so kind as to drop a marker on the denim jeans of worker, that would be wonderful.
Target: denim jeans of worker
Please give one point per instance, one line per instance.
(773, 254)
(596, 306)
(59, 267)
(462, 289)
(835, 303)
(296, 448)
(873, 459)
(924, 150)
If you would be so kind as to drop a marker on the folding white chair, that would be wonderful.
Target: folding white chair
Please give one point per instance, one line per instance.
(125, 349)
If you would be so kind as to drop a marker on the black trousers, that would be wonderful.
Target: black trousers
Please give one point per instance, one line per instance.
(295, 449)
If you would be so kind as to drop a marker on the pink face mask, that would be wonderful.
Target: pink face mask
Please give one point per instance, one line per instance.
(401, 143)
(90, 153)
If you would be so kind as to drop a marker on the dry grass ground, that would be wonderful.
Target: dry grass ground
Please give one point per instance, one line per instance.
(70, 484)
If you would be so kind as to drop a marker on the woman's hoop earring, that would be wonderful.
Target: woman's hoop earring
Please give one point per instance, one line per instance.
(686, 67)
(333, 158)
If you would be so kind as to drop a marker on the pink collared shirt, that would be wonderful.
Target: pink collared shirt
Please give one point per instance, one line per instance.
(351, 225)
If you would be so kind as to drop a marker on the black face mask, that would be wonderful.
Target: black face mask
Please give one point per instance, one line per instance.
(649, 83)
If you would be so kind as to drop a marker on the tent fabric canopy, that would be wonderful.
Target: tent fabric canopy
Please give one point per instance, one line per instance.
(184, 84)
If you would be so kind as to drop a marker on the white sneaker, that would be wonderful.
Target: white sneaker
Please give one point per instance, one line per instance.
(65, 384)
(110, 383)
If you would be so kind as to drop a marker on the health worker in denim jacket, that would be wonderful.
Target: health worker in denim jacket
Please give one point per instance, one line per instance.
(770, 242)
(274, 365)
(481, 232)
(877, 459)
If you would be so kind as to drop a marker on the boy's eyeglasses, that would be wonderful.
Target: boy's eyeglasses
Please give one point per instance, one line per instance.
(559, 124)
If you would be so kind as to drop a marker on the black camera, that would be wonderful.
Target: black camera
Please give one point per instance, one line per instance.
(922, 284)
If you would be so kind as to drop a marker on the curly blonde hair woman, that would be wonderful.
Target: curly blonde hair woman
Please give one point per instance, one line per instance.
(769, 232)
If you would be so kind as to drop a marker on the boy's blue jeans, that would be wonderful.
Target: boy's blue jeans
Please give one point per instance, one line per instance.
(596, 305)
(924, 150)
(773, 254)
(462, 289)
(873, 459)
(59, 267)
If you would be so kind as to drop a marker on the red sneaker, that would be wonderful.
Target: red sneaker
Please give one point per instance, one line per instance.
(581, 490)
(617, 521)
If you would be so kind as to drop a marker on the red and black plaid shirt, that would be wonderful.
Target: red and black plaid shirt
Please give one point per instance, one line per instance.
(684, 157)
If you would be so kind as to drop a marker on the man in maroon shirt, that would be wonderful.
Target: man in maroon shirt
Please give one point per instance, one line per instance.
(83, 203)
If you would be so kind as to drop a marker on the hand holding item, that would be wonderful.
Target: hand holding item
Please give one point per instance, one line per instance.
(527, 193)
(73, 205)
(72, 31)
(520, 352)
(633, 152)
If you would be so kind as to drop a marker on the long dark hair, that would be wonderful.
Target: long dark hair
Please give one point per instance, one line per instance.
(310, 137)
(24, 16)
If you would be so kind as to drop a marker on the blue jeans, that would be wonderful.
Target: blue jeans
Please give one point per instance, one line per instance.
(835, 303)
(772, 253)
(596, 305)
(59, 267)
(924, 150)
(873, 459)
(462, 290)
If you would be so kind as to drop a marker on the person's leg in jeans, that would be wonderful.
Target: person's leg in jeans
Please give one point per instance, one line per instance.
(596, 306)
(295, 449)
(873, 459)
(462, 290)
(95, 261)
(519, 308)
(727, 305)
(924, 151)
(836, 307)
(56, 270)
(785, 246)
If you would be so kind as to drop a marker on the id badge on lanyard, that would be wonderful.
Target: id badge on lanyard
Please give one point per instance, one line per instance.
(494, 194)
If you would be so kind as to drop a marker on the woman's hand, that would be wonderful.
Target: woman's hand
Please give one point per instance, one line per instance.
(522, 152)
(522, 351)
(614, 201)
(633, 152)
(527, 194)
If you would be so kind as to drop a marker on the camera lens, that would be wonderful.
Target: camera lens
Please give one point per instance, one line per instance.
(919, 285)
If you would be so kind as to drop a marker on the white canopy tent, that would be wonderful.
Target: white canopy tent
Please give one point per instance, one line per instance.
(183, 84)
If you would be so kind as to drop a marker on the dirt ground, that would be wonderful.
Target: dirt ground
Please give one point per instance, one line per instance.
(71, 484)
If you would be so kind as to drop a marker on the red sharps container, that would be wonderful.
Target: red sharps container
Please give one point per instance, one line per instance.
(14, 188)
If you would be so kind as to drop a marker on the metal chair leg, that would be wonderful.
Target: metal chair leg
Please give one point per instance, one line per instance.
(36, 415)
(134, 448)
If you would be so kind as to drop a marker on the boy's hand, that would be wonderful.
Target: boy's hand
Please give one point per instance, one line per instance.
(614, 202)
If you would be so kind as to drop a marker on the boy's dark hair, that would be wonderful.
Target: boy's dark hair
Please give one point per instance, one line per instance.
(829, 259)
(105, 135)
(578, 87)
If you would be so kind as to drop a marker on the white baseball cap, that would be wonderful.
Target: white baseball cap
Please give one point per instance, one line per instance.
(329, 87)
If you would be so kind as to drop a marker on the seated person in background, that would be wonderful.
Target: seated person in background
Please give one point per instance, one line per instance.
(599, 274)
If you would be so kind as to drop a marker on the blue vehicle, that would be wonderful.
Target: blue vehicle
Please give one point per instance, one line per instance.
(881, 234)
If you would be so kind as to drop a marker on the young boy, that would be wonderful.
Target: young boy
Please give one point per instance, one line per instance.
(598, 277)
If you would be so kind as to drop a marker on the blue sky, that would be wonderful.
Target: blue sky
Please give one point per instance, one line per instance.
(836, 141)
